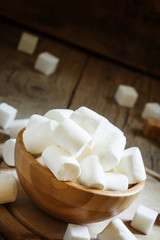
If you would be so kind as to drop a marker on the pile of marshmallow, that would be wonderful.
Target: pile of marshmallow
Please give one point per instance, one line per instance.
(84, 147)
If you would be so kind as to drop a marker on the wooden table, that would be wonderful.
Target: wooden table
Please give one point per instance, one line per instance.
(81, 79)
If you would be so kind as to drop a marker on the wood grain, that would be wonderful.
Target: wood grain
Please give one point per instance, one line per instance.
(126, 31)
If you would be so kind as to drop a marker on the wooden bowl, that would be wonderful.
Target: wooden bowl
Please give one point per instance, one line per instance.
(68, 201)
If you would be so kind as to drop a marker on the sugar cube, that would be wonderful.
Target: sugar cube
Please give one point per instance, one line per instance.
(7, 115)
(75, 232)
(151, 109)
(8, 188)
(16, 126)
(27, 43)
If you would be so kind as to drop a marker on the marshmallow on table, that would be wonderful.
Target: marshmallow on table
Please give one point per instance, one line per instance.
(87, 119)
(8, 152)
(92, 174)
(46, 63)
(8, 188)
(116, 229)
(7, 115)
(126, 96)
(58, 114)
(131, 164)
(27, 43)
(16, 126)
(71, 137)
(61, 164)
(36, 119)
(110, 149)
(144, 219)
(115, 181)
(151, 109)
(38, 137)
(75, 232)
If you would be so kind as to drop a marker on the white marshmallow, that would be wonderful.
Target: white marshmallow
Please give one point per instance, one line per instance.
(115, 181)
(87, 119)
(46, 63)
(144, 219)
(151, 110)
(92, 174)
(58, 114)
(116, 230)
(8, 188)
(126, 96)
(76, 232)
(85, 153)
(105, 128)
(16, 126)
(27, 43)
(71, 137)
(8, 152)
(110, 149)
(61, 164)
(41, 161)
(38, 137)
(131, 164)
(7, 115)
(36, 119)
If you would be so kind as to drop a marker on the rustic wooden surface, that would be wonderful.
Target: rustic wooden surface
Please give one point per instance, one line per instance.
(81, 78)
(126, 31)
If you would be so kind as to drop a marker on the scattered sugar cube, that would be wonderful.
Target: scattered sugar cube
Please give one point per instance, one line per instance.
(116, 230)
(16, 126)
(144, 219)
(92, 174)
(151, 128)
(58, 114)
(8, 188)
(8, 152)
(126, 96)
(7, 115)
(27, 43)
(46, 63)
(62, 165)
(151, 109)
(131, 164)
(75, 232)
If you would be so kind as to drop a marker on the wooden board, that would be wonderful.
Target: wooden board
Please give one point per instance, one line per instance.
(27, 220)
(126, 31)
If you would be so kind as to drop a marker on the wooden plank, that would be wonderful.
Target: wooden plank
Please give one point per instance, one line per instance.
(27, 89)
(127, 31)
(96, 90)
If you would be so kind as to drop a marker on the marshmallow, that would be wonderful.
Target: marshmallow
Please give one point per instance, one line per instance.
(75, 232)
(71, 137)
(87, 150)
(8, 152)
(92, 174)
(36, 119)
(8, 188)
(151, 110)
(115, 181)
(16, 126)
(110, 149)
(41, 161)
(87, 119)
(7, 115)
(131, 164)
(126, 96)
(46, 63)
(61, 164)
(58, 114)
(144, 219)
(27, 43)
(116, 230)
(38, 137)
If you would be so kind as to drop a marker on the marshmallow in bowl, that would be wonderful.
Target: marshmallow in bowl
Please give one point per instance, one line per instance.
(92, 174)
(116, 229)
(71, 137)
(131, 164)
(110, 149)
(36, 119)
(115, 181)
(38, 137)
(87, 119)
(61, 164)
(58, 114)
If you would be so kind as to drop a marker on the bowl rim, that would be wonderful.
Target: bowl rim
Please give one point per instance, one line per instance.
(135, 189)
